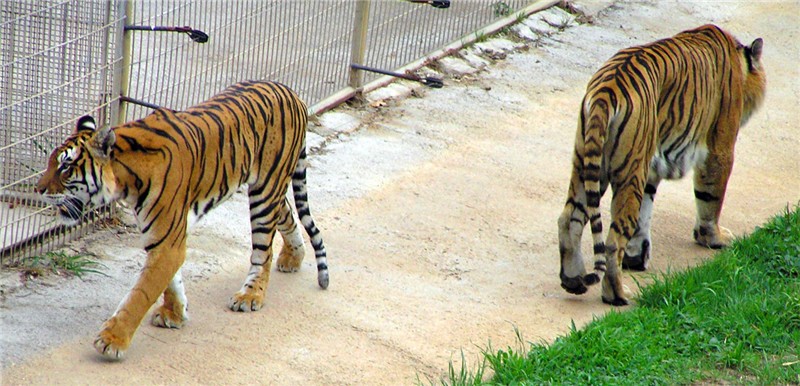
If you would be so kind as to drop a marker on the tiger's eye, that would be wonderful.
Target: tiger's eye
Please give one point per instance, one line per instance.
(64, 168)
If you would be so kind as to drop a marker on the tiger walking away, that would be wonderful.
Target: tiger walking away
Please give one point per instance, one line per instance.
(654, 112)
(175, 166)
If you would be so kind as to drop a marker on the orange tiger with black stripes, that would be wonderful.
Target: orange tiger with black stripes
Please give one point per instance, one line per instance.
(654, 112)
(174, 166)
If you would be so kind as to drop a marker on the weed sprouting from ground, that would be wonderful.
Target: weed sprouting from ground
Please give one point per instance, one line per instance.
(60, 263)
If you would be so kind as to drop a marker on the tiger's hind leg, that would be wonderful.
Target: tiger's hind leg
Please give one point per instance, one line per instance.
(293, 251)
(639, 249)
(173, 312)
(570, 229)
(625, 211)
(264, 216)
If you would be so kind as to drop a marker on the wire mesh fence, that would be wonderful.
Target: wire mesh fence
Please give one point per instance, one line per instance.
(54, 65)
(63, 59)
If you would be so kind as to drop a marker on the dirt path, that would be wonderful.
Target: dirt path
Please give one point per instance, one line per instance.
(440, 219)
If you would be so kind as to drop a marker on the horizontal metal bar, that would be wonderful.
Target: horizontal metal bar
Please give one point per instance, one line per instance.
(194, 34)
(384, 72)
(428, 80)
(139, 102)
(434, 3)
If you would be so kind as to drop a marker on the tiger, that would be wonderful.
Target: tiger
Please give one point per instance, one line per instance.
(173, 167)
(654, 112)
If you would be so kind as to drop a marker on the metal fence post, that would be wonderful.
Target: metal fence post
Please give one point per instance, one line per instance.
(359, 46)
(124, 50)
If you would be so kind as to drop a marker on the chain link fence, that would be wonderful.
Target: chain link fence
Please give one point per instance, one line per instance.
(62, 59)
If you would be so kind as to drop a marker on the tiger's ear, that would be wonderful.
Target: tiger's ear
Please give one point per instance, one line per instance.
(755, 49)
(102, 141)
(85, 123)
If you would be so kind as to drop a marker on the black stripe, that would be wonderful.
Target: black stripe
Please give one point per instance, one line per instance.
(577, 205)
(264, 212)
(158, 242)
(208, 206)
(599, 248)
(592, 199)
(703, 196)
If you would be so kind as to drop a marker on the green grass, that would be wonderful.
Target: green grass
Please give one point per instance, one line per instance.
(500, 8)
(460, 376)
(733, 320)
(60, 263)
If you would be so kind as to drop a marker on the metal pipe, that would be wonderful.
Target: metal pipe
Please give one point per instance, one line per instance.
(139, 102)
(127, 53)
(434, 3)
(195, 34)
(428, 81)
(117, 71)
(359, 47)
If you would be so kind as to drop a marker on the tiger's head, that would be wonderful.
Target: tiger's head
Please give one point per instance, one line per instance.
(78, 174)
(755, 83)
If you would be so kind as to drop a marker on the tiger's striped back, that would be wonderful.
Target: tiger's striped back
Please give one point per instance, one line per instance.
(213, 148)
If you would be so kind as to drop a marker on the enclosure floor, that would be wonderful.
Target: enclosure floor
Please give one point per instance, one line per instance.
(439, 215)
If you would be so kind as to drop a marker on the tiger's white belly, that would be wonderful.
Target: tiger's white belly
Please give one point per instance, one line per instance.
(199, 209)
(676, 165)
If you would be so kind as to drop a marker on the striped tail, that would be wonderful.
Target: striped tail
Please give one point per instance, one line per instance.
(594, 139)
(303, 211)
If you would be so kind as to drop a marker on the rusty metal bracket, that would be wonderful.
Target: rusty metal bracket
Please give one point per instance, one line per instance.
(428, 81)
(194, 34)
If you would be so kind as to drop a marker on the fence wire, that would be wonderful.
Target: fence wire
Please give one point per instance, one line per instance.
(304, 44)
(399, 33)
(63, 59)
(54, 66)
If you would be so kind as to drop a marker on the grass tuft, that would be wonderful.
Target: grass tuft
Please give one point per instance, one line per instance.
(60, 263)
(460, 377)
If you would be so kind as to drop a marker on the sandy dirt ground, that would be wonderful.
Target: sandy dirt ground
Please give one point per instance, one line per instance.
(439, 213)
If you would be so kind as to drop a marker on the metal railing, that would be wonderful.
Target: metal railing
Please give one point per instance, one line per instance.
(60, 59)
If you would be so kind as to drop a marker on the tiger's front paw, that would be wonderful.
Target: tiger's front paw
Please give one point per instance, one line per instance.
(166, 318)
(110, 344)
(246, 301)
(714, 237)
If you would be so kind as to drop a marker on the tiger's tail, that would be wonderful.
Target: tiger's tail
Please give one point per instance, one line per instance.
(594, 140)
(303, 211)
